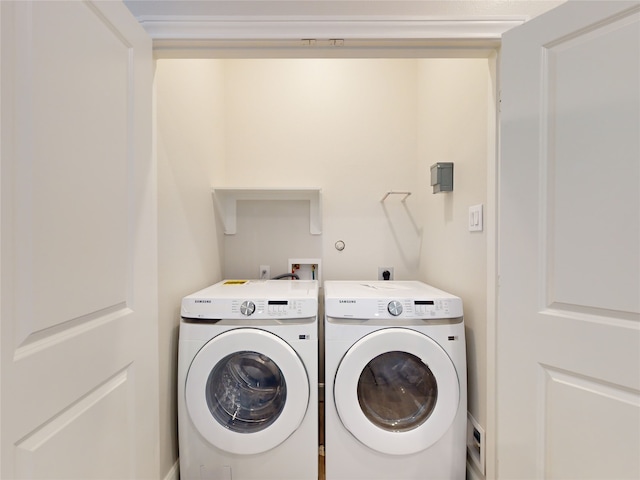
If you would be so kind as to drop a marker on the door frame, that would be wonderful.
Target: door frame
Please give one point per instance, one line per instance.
(176, 36)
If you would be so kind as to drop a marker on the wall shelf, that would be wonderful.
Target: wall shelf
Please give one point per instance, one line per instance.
(226, 198)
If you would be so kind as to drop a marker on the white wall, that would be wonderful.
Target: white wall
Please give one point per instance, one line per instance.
(456, 106)
(354, 128)
(346, 126)
(190, 144)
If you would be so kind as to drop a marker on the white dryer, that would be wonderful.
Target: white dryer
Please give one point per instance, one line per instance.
(396, 382)
(247, 381)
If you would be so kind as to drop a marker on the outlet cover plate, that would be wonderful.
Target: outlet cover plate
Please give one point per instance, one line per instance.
(381, 271)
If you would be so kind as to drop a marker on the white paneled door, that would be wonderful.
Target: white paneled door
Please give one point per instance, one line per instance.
(569, 245)
(78, 244)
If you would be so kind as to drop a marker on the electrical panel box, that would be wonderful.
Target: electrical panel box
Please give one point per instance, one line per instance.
(305, 268)
(442, 177)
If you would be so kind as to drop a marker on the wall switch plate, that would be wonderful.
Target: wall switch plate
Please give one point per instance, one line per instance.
(475, 218)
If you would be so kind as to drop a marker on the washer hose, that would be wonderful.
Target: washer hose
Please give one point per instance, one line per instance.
(287, 275)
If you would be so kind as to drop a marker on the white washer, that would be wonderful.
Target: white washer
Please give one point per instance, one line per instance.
(248, 381)
(396, 382)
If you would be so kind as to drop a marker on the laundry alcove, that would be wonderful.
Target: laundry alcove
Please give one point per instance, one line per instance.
(354, 128)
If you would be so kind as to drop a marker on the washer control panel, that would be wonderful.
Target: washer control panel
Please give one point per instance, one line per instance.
(253, 300)
(256, 308)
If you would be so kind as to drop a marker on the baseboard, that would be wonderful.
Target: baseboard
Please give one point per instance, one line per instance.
(174, 472)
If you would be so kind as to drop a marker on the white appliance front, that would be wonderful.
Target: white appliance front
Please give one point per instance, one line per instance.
(396, 382)
(247, 382)
(247, 391)
(419, 399)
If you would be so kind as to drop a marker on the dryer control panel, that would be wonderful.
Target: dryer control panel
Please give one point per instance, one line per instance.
(392, 308)
(389, 300)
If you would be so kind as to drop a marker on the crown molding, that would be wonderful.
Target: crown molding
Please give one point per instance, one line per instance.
(296, 28)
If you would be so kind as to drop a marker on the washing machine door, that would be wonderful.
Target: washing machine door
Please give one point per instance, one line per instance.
(397, 391)
(246, 391)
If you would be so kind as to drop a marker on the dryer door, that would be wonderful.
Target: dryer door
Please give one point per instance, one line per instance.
(397, 391)
(246, 391)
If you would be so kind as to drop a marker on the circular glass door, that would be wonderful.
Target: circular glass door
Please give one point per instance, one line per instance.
(396, 390)
(246, 391)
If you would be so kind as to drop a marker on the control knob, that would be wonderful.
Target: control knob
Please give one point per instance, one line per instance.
(394, 308)
(247, 308)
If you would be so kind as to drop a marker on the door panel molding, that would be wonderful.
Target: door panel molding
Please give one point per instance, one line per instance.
(102, 434)
(65, 331)
(592, 314)
(586, 203)
(580, 413)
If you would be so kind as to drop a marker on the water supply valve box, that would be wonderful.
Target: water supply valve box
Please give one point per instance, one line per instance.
(305, 268)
